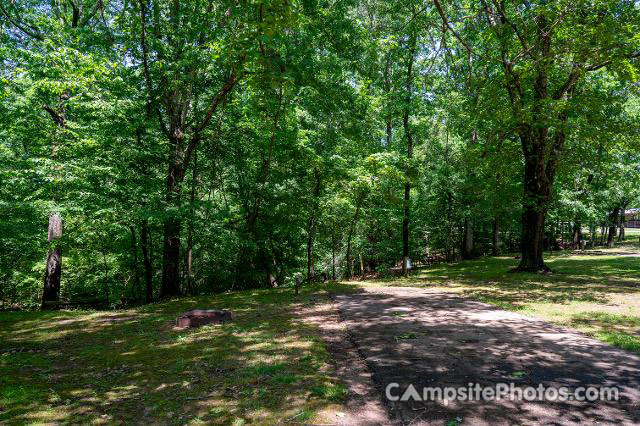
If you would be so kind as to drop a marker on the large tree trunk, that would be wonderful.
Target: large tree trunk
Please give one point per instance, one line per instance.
(613, 219)
(621, 223)
(146, 258)
(52, 277)
(537, 185)
(532, 240)
(467, 241)
(495, 250)
(53, 270)
(541, 155)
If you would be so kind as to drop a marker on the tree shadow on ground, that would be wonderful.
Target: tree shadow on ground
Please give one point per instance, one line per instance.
(429, 339)
(134, 366)
(575, 279)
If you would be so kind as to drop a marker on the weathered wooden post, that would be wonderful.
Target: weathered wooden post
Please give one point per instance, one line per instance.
(53, 270)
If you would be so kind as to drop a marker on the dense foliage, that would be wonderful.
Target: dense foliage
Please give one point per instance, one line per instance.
(203, 146)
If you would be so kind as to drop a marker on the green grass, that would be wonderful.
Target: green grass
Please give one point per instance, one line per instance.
(596, 292)
(133, 366)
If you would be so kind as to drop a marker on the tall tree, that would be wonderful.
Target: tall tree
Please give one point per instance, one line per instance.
(543, 50)
(184, 50)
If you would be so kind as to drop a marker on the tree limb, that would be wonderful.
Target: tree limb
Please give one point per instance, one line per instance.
(574, 76)
(596, 67)
(97, 5)
(447, 26)
(22, 26)
(57, 118)
(197, 134)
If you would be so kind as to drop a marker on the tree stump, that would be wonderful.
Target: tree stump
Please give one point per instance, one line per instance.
(200, 317)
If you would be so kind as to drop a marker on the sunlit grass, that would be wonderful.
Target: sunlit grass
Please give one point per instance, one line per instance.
(596, 292)
(133, 366)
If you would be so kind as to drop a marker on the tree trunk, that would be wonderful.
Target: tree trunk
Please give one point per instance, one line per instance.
(311, 225)
(532, 236)
(352, 227)
(613, 219)
(52, 277)
(536, 196)
(333, 258)
(53, 267)
(495, 250)
(107, 290)
(406, 261)
(309, 250)
(621, 231)
(146, 258)
(170, 285)
(467, 241)
(577, 233)
(449, 245)
(405, 231)
(134, 251)
(53, 270)
(192, 198)
(387, 87)
(271, 278)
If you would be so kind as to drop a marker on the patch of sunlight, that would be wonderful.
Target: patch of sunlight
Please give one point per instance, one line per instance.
(49, 414)
(293, 342)
(258, 346)
(78, 393)
(121, 392)
(164, 386)
(493, 315)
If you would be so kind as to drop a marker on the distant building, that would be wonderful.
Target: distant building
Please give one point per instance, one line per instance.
(632, 218)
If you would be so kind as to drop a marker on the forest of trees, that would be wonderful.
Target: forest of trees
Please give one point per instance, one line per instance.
(155, 148)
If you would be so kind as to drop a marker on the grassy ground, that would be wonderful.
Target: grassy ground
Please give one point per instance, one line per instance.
(596, 292)
(266, 366)
(133, 366)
